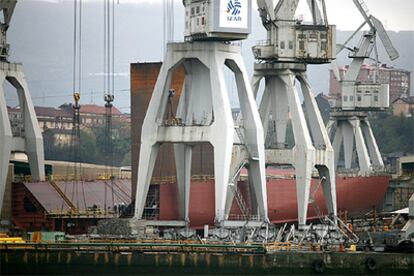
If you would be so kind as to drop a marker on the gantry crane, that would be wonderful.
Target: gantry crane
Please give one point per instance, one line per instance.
(29, 140)
(349, 118)
(204, 112)
(282, 60)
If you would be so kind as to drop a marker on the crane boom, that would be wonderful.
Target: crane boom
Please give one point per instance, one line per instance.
(363, 9)
(385, 39)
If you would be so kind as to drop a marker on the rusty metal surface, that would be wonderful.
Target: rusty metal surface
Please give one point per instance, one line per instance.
(143, 79)
(86, 196)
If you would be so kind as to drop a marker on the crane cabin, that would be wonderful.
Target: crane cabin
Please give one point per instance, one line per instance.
(217, 19)
(364, 96)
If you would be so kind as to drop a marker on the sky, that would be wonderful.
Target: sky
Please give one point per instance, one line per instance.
(396, 14)
(41, 38)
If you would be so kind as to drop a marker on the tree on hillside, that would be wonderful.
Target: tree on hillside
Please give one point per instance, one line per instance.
(393, 134)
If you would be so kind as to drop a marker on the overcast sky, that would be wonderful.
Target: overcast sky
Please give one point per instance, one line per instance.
(41, 38)
(396, 14)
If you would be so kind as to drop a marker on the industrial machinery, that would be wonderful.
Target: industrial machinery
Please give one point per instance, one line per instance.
(282, 60)
(407, 233)
(290, 40)
(217, 20)
(204, 112)
(27, 137)
(348, 120)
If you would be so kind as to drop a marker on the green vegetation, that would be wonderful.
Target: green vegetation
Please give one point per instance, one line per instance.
(93, 145)
(393, 134)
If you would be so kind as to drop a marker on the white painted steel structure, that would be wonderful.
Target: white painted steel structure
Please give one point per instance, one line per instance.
(348, 125)
(282, 63)
(28, 138)
(407, 232)
(204, 116)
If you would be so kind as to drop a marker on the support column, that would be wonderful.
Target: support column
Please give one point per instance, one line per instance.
(280, 109)
(6, 138)
(303, 152)
(149, 145)
(33, 136)
(362, 151)
(330, 127)
(147, 158)
(348, 137)
(223, 135)
(265, 108)
(326, 161)
(337, 142)
(183, 158)
(256, 84)
(373, 149)
(254, 135)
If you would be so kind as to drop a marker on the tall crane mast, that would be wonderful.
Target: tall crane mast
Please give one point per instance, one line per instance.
(349, 117)
(282, 60)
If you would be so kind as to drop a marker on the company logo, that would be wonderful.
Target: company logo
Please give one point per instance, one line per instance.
(234, 7)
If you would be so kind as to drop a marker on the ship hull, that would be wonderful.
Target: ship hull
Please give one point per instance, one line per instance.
(355, 196)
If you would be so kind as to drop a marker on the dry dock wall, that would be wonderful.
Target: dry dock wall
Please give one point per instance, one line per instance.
(77, 262)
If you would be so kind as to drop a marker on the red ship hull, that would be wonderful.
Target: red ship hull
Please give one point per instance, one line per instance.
(355, 195)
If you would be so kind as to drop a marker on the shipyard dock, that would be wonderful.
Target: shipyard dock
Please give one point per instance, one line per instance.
(174, 257)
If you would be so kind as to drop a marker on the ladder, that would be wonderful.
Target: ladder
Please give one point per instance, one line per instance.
(315, 205)
(239, 198)
(364, 6)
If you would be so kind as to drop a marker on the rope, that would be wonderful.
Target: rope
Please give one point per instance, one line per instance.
(109, 88)
(77, 88)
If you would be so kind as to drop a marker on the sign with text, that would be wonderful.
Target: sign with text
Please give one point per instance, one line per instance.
(234, 14)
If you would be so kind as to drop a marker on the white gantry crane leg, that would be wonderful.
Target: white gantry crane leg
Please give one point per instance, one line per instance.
(363, 156)
(347, 130)
(371, 142)
(312, 146)
(205, 92)
(6, 138)
(29, 140)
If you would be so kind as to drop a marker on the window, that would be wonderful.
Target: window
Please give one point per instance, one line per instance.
(301, 45)
(290, 45)
(351, 98)
(198, 10)
(313, 36)
(192, 11)
(323, 46)
(282, 45)
(345, 98)
(324, 36)
(376, 98)
(198, 21)
(359, 98)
